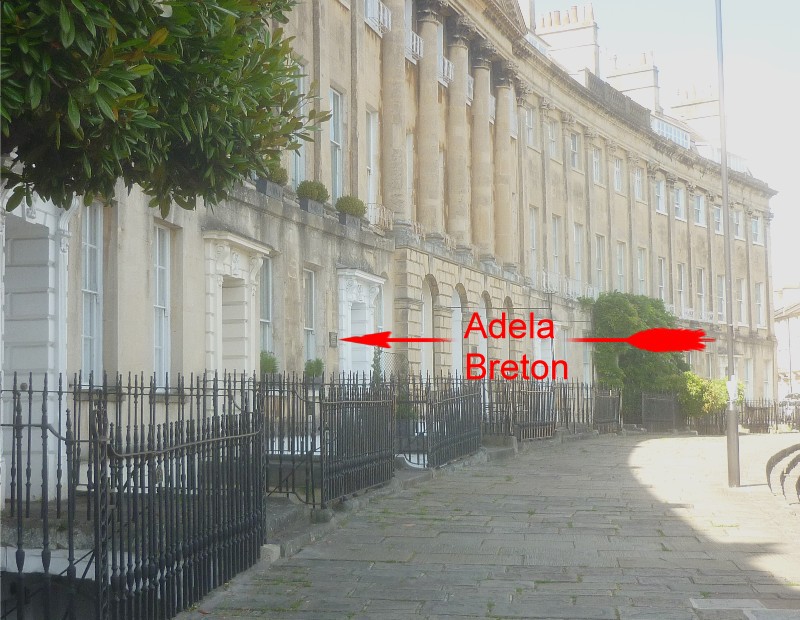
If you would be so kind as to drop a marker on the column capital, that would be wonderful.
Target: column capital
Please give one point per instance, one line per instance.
(482, 54)
(633, 160)
(522, 90)
(590, 135)
(652, 170)
(768, 217)
(462, 30)
(671, 179)
(546, 104)
(611, 146)
(691, 188)
(567, 119)
(431, 9)
(506, 73)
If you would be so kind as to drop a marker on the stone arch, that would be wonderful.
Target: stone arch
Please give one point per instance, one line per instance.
(459, 317)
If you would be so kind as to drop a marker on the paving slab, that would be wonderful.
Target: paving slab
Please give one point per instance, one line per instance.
(628, 528)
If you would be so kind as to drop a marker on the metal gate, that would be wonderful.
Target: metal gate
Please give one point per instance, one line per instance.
(660, 412)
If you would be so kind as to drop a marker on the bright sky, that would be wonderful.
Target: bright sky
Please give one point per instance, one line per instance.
(762, 84)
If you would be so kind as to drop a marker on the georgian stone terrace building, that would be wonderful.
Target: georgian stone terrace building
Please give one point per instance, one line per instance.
(501, 173)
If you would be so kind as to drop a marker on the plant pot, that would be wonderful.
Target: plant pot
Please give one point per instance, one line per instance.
(269, 188)
(311, 206)
(349, 220)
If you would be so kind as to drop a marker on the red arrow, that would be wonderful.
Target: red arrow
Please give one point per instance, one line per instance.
(660, 340)
(382, 339)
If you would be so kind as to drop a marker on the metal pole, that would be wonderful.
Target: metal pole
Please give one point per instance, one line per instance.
(733, 416)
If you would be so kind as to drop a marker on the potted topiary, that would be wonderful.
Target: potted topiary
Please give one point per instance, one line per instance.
(351, 210)
(312, 196)
(313, 371)
(273, 184)
(268, 364)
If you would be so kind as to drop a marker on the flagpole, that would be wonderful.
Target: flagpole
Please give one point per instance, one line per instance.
(733, 416)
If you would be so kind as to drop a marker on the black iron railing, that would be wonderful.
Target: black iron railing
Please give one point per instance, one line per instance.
(534, 409)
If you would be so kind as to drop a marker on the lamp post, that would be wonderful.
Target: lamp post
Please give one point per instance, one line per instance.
(733, 416)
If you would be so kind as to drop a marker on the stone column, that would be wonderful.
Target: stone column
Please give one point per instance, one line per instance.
(567, 126)
(522, 91)
(505, 233)
(393, 116)
(767, 217)
(589, 136)
(458, 190)
(430, 210)
(633, 252)
(746, 214)
(688, 191)
(650, 189)
(611, 246)
(482, 198)
(668, 196)
(546, 108)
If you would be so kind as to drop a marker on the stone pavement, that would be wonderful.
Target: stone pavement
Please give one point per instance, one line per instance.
(635, 527)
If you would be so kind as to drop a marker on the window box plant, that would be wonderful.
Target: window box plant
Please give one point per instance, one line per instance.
(351, 211)
(312, 196)
(313, 371)
(274, 183)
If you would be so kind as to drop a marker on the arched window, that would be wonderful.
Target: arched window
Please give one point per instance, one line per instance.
(426, 366)
(456, 335)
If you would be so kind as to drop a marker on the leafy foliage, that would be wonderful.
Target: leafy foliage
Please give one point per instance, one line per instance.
(279, 176)
(699, 397)
(315, 368)
(313, 190)
(268, 363)
(618, 315)
(184, 98)
(351, 205)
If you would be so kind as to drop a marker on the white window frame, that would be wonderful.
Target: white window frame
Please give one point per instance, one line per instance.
(337, 138)
(575, 150)
(758, 291)
(530, 126)
(680, 287)
(718, 222)
(662, 278)
(721, 298)
(621, 279)
(638, 185)
(661, 205)
(618, 174)
(599, 259)
(641, 270)
(738, 228)
(266, 288)
(534, 257)
(597, 165)
(556, 238)
(162, 248)
(700, 210)
(741, 309)
(757, 230)
(309, 314)
(552, 138)
(701, 291)
(371, 139)
(92, 292)
(299, 155)
(410, 169)
(578, 251)
(679, 202)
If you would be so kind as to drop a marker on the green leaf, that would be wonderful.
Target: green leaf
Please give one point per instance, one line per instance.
(73, 115)
(105, 107)
(142, 69)
(64, 19)
(93, 85)
(16, 198)
(34, 93)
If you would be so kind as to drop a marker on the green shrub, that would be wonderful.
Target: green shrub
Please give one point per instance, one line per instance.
(268, 363)
(279, 176)
(351, 205)
(313, 190)
(315, 368)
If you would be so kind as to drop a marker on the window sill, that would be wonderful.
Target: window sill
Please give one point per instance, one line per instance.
(680, 219)
(700, 224)
(664, 213)
(761, 243)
